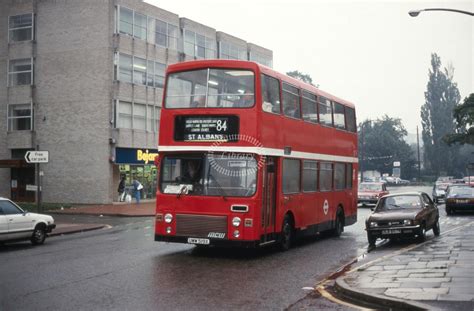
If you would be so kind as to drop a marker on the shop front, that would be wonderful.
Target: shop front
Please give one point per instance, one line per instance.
(138, 164)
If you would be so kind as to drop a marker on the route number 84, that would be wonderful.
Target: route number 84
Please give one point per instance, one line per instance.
(221, 125)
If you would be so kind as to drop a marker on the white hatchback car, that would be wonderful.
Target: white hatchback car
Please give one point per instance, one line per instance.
(17, 224)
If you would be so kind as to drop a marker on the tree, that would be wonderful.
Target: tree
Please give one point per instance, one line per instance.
(464, 116)
(301, 76)
(441, 96)
(381, 142)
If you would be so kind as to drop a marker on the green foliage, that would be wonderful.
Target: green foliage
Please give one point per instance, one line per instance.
(464, 116)
(441, 96)
(301, 76)
(381, 142)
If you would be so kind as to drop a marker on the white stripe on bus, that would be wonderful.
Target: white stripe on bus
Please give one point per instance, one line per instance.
(262, 151)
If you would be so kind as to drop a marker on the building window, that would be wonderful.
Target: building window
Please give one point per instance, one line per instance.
(124, 115)
(325, 111)
(160, 74)
(258, 58)
(126, 21)
(339, 176)
(325, 176)
(138, 116)
(339, 117)
(198, 46)
(144, 72)
(291, 176)
(291, 101)
(139, 26)
(125, 68)
(230, 51)
(20, 72)
(20, 27)
(139, 70)
(310, 176)
(20, 117)
(309, 107)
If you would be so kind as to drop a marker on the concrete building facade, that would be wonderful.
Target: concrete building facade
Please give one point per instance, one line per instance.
(83, 80)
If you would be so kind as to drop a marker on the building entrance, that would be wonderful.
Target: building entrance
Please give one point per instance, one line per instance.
(20, 177)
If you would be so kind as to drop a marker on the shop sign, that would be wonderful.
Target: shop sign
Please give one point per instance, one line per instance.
(135, 156)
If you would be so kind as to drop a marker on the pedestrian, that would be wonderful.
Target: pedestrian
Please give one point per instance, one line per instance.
(137, 187)
(121, 189)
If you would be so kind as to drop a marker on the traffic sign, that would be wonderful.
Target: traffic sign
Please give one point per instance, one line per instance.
(31, 188)
(37, 156)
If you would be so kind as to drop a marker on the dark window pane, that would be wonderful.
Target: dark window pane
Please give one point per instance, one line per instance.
(291, 176)
(339, 118)
(270, 94)
(349, 176)
(291, 105)
(325, 176)
(351, 120)
(310, 176)
(339, 176)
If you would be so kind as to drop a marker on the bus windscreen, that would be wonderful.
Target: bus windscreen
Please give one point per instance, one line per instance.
(216, 88)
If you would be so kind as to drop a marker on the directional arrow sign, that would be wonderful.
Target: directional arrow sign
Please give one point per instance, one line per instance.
(37, 156)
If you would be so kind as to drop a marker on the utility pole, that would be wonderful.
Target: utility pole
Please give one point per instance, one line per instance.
(361, 152)
(418, 150)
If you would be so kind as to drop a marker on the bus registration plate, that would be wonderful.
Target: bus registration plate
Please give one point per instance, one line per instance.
(198, 241)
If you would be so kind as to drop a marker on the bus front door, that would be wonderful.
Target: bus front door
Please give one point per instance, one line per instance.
(269, 201)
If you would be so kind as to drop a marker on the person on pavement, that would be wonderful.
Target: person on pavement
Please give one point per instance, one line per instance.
(137, 187)
(121, 189)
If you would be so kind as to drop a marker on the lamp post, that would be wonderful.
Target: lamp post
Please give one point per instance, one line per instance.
(414, 13)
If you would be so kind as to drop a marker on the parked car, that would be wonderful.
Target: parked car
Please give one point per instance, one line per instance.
(370, 192)
(439, 191)
(459, 197)
(403, 215)
(17, 224)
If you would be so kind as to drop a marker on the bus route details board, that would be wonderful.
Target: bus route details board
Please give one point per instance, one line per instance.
(206, 128)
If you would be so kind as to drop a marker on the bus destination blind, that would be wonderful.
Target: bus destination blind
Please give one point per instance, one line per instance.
(206, 128)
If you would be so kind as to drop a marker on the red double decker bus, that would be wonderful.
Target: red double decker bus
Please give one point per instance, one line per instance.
(251, 157)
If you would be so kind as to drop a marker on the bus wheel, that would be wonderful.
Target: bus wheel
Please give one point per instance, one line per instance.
(339, 227)
(286, 234)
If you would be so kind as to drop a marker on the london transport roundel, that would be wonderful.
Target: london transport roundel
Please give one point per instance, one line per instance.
(326, 207)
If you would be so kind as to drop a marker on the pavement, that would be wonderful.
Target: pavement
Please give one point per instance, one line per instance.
(146, 208)
(436, 274)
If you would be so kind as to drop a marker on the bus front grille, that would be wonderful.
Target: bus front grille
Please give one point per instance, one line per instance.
(201, 225)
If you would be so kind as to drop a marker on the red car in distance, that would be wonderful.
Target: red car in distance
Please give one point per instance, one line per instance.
(370, 192)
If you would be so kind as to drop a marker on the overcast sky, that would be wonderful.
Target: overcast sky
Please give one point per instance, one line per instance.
(371, 53)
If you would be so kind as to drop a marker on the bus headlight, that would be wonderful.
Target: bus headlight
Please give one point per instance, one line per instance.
(168, 218)
(236, 221)
(374, 224)
(168, 230)
(407, 222)
(236, 233)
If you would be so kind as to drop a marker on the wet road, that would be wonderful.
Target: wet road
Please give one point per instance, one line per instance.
(123, 268)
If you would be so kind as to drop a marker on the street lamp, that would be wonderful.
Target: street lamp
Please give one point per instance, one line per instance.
(414, 13)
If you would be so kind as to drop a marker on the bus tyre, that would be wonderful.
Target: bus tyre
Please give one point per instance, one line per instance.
(339, 224)
(286, 234)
